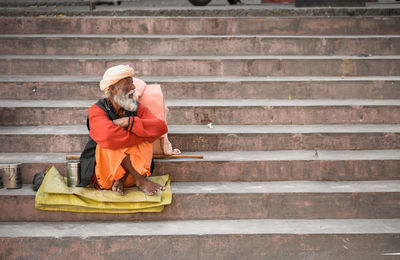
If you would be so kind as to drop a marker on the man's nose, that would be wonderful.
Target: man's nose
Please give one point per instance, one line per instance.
(133, 87)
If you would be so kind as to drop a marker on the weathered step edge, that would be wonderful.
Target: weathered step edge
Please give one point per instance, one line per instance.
(201, 45)
(71, 139)
(289, 200)
(81, 88)
(201, 227)
(354, 25)
(219, 142)
(202, 12)
(312, 165)
(204, 65)
(227, 239)
(220, 112)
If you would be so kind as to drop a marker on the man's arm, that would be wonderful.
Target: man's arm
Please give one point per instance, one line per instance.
(119, 134)
(145, 124)
(108, 135)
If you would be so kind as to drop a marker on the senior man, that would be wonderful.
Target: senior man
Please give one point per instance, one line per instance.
(121, 130)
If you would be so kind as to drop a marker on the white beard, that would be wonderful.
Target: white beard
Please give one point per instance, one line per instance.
(127, 103)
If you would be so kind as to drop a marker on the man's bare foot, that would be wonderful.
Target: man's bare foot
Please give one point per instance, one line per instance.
(148, 187)
(168, 150)
(118, 186)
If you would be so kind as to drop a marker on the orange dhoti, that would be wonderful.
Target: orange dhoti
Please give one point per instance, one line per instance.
(108, 164)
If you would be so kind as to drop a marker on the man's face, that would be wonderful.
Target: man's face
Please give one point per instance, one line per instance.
(123, 93)
(125, 85)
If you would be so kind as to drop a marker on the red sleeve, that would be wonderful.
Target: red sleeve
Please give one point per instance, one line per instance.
(107, 135)
(147, 125)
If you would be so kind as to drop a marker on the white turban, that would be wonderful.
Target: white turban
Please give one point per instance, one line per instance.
(115, 74)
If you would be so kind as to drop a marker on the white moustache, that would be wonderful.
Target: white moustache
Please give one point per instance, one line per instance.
(124, 101)
(131, 92)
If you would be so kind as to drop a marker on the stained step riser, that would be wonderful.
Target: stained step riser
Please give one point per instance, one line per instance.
(200, 46)
(206, 67)
(204, 25)
(382, 89)
(240, 115)
(230, 206)
(282, 141)
(223, 246)
(217, 142)
(352, 170)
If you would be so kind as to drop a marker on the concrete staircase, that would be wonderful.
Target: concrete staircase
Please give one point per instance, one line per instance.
(302, 162)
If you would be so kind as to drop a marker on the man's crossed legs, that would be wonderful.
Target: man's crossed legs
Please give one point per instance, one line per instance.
(125, 167)
(148, 187)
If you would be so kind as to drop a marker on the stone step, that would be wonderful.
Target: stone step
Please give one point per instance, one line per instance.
(286, 165)
(296, 25)
(209, 87)
(75, 44)
(72, 139)
(81, 65)
(356, 239)
(216, 111)
(182, 8)
(238, 200)
(110, 5)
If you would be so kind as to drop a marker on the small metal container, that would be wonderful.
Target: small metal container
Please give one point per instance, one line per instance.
(12, 176)
(73, 173)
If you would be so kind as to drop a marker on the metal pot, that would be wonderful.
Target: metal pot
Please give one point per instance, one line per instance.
(73, 173)
(12, 176)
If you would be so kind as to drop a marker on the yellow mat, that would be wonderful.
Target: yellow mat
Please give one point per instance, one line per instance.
(54, 194)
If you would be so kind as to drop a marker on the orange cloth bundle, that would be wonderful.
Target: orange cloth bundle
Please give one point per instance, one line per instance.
(152, 97)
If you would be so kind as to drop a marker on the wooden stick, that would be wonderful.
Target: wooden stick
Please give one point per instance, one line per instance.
(77, 157)
(177, 156)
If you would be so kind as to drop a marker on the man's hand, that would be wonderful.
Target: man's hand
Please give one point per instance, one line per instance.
(122, 122)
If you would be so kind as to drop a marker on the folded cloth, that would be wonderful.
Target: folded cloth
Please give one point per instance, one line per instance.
(55, 195)
(152, 97)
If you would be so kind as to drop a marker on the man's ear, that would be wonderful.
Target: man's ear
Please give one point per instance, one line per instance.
(111, 88)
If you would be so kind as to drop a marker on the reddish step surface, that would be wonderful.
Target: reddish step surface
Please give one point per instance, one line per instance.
(222, 239)
(237, 200)
(220, 112)
(203, 65)
(83, 87)
(50, 44)
(203, 25)
(286, 165)
(71, 139)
